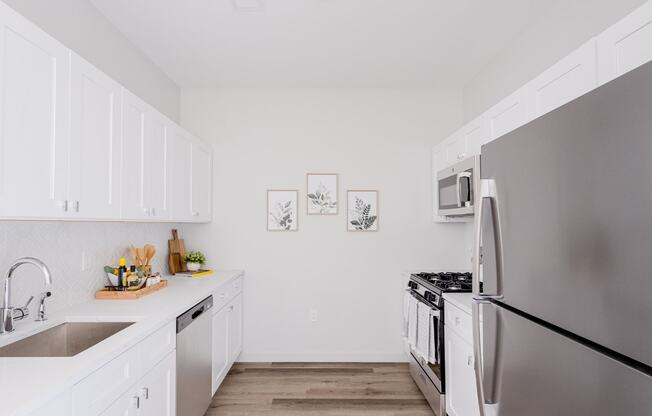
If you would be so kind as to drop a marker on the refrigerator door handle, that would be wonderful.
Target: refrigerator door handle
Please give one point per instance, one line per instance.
(477, 354)
(487, 191)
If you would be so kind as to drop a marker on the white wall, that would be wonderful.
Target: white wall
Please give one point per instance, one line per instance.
(82, 28)
(374, 139)
(567, 26)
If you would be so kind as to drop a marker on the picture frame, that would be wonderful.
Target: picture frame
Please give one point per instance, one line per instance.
(322, 193)
(362, 210)
(282, 210)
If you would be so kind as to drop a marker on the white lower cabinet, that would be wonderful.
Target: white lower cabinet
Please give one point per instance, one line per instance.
(461, 395)
(153, 395)
(235, 328)
(61, 406)
(227, 333)
(141, 381)
(220, 347)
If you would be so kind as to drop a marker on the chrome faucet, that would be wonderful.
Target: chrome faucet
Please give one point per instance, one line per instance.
(10, 313)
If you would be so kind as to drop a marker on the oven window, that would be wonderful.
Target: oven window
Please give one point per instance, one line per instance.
(448, 192)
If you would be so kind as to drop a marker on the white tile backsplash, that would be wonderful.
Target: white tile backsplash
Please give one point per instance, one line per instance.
(61, 244)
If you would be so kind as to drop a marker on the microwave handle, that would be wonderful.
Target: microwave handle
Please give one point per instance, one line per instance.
(461, 175)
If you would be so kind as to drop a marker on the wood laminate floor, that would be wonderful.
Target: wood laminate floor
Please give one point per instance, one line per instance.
(310, 389)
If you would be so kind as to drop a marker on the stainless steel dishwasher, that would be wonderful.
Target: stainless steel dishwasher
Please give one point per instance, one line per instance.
(194, 359)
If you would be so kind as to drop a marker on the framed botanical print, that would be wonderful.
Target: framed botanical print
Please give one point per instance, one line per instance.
(362, 210)
(321, 195)
(282, 210)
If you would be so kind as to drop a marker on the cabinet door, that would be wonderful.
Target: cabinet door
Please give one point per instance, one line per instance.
(626, 45)
(134, 113)
(573, 76)
(126, 405)
(202, 181)
(456, 149)
(94, 173)
(180, 147)
(61, 406)
(235, 328)
(155, 153)
(475, 134)
(157, 390)
(220, 346)
(509, 114)
(461, 396)
(34, 126)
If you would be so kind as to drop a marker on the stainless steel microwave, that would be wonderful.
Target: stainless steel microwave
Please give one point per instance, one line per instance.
(456, 188)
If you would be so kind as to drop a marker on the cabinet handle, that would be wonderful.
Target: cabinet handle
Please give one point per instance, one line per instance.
(231, 308)
(469, 360)
(195, 214)
(153, 212)
(144, 393)
(135, 401)
(457, 320)
(146, 211)
(65, 205)
(76, 205)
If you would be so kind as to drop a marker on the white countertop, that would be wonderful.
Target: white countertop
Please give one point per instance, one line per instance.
(28, 383)
(461, 300)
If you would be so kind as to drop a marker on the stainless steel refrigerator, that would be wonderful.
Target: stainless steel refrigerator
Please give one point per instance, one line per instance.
(563, 323)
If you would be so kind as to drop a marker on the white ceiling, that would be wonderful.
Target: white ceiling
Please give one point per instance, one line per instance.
(322, 43)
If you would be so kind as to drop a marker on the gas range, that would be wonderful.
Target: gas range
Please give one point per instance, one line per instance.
(431, 286)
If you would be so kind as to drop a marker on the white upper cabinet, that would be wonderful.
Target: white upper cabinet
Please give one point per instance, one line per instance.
(202, 172)
(75, 145)
(34, 110)
(455, 148)
(573, 76)
(475, 134)
(134, 112)
(509, 114)
(626, 45)
(144, 158)
(155, 154)
(180, 145)
(95, 150)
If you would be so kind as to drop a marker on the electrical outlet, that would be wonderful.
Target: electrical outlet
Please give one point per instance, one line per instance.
(86, 261)
(313, 315)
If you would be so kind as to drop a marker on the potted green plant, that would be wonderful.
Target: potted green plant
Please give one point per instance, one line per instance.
(194, 260)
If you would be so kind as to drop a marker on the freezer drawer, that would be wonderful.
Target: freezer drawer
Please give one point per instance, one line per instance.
(531, 370)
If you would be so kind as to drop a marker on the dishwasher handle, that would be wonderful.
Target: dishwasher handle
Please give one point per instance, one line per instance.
(189, 316)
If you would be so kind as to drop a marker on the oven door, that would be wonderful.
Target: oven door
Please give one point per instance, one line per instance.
(455, 187)
(432, 355)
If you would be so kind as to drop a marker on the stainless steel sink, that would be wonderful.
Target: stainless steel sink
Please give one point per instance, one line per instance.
(65, 340)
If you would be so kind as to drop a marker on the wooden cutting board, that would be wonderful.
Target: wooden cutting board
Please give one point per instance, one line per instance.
(177, 250)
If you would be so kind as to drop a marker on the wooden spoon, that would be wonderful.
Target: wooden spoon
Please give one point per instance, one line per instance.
(134, 254)
(141, 255)
(150, 252)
